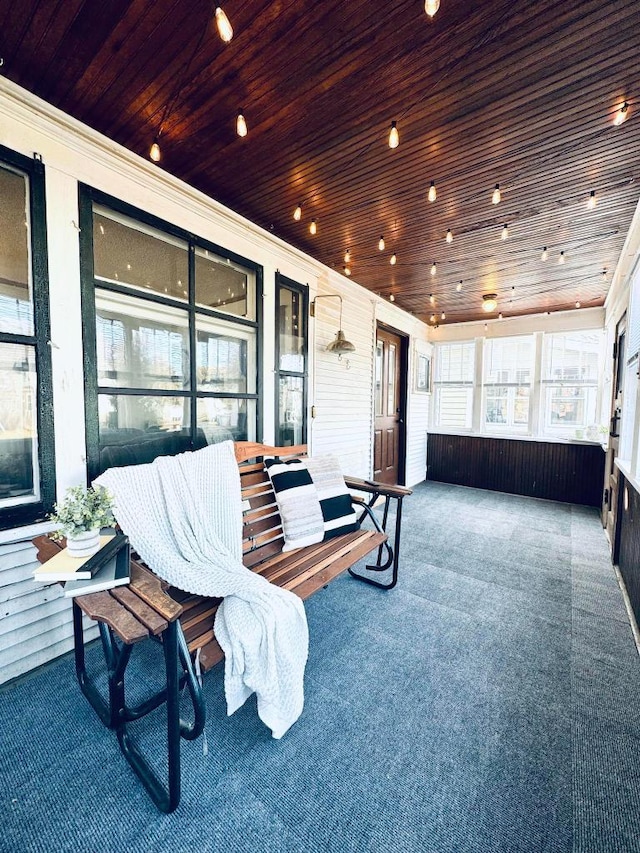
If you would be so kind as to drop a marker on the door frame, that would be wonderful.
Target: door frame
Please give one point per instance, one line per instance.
(404, 394)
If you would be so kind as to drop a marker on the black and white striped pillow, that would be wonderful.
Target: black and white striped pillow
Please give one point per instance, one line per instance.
(313, 500)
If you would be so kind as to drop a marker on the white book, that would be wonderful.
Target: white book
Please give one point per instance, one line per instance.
(114, 572)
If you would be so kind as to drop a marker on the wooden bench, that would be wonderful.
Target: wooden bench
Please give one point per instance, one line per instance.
(149, 608)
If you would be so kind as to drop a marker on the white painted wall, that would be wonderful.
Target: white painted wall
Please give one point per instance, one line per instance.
(36, 622)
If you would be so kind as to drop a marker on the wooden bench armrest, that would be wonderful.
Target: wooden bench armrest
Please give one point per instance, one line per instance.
(375, 488)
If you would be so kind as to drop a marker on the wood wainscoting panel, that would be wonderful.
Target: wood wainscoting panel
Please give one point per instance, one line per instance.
(628, 543)
(571, 473)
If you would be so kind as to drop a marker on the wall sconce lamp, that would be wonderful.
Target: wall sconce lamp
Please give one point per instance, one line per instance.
(340, 345)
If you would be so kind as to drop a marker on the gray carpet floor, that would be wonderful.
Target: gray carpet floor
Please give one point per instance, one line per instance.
(488, 703)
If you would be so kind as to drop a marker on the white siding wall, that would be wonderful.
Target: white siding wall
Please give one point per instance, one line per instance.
(36, 622)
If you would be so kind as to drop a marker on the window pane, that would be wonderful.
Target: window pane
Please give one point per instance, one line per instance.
(224, 286)
(291, 408)
(18, 425)
(572, 356)
(16, 308)
(378, 390)
(140, 344)
(453, 406)
(290, 330)
(225, 357)
(629, 409)
(131, 253)
(454, 362)
(223, 419)
(391, 380)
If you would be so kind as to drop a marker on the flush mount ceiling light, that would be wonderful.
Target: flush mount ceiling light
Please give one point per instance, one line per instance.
(621, 115)
(394, 136)
(496, 196)
(340, 344)
(489, 302)
(225, 30)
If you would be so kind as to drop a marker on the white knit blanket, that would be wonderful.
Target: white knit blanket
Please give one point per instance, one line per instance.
(183, 516)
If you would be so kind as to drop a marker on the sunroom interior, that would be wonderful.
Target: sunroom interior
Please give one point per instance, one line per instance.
(407, 236)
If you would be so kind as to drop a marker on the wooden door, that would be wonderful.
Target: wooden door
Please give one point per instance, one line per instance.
(611, 475)
(388, 412)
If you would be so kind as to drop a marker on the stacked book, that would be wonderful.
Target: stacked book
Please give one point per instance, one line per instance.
(107, 568)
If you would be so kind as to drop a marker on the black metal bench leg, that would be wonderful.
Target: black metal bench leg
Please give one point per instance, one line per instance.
(394, 553)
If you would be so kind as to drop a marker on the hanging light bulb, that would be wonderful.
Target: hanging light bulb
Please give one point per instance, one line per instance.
(347, 256)
(313, 228)
(432, 299)
(381, 243)
(449, 237)
(392, 298)
(577, 304)
(431, 7)
(489, 302)
(486, 327)
(621, 115)
(505, 232)
(500, 316)
(225, 30)
(434, 269)
(544, 255)
(393, 259)
(241, 125)
(347, 270)
(297, 213)
(154, 151)
(394, 137)
(561, 258)
(591, 201)
(495, 198)
(459, 286)
(443, 316)
(432, 194)
(432, 318)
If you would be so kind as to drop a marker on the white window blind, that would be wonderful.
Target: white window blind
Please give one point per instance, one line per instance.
(570, 369)
(453, 384)
(508, 374)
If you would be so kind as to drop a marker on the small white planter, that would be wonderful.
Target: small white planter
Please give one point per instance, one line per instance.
(83, 544)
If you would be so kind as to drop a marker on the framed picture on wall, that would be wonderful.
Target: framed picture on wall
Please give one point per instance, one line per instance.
(423, 373)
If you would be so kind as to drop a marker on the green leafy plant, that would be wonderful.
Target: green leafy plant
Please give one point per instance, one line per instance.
(83, 509)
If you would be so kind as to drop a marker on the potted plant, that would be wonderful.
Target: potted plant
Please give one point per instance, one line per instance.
(81, 515)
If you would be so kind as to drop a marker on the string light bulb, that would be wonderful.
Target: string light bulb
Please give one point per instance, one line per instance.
(500, 316)
(297, 213)
(443, 316)
(225, 30)
(347, 270)
(496, 196)
(591, 201)
(561, 259)
(313, 227)
(394, 136)
(154, 152)
(392, 298)
(241, 124)
(449, 237)
(432, 318)
(505, 232)
(577, 304)
(393, 259)
(545, 254)
(621, 115)
(347, 256)
(434, 268)
(489, 302)
(431, 7)
(432, 194)
(432, 299)
(459, 286)
(381, 243)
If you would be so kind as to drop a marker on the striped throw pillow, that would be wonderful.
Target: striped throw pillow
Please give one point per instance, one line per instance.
(313, 500)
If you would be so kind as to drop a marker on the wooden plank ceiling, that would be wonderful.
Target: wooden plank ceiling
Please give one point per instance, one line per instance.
(516, 94)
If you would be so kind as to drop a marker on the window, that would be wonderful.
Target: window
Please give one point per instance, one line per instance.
(27, 464)
(291, 362)
(570, 363)
(453, 385)
(171, 325)
(508, 374)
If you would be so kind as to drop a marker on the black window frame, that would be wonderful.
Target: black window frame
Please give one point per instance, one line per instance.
(88, 197)
(284, 283)
(36, 511)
